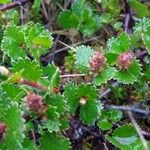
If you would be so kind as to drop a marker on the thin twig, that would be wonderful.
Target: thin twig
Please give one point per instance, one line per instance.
(106, 148)
(66, 3)
(12, 5)
(108, 91)
(128, 108)
(47, 57)
(22, 12)
(142, 55)
(138, 131)
(72, 75)
(127, 15)
(127, 19)
(44, 10)
(133, 17)
(54, 47)
(68, 46)
(33, 135)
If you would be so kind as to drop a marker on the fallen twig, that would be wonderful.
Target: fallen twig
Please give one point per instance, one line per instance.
(128, 108)
(127, 16)
(12, 5)
(72, 75)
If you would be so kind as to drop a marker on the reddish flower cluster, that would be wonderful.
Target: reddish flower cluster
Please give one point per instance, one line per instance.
(34, 102)
(125, 60)
(2, 131)
(2, 128)
(97, 61)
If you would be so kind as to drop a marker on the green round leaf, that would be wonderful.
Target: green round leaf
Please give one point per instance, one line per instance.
(104, 76)
(54, 142)
(104, 124)
(72, 99)
(125, 138)
(38, 39)
(108, 118)
(53, 74)
(67, 19)
(86, 90)
(57, 101)
(131, 75)
(89, 112)
(83, 54)
(31, 70)
(15, 128)
(111, 58)
(146, 39)
(13, 41)
(13, 92)
(120, 44)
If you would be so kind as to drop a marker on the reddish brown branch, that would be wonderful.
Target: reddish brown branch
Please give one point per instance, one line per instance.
(12, 5)
(34, 85)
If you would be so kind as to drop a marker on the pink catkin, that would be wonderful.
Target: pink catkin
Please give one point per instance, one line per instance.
(2, 128)
(125, 60)
(97, 61)
(34, 102)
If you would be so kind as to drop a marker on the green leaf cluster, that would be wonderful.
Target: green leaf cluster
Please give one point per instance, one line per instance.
(20, 41)
(79, 97)
(89, 110)
(15, 128)
(108, 118)
(80, 17)
(116, 47)
(142, 28)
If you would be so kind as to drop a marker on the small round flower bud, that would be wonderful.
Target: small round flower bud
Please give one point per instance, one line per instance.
(34, 102)
(125, 60)
(4, 71)
(83, 101)
(97, 61)
(2, 128)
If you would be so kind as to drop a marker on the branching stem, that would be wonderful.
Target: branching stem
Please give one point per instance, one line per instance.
(34, 85)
